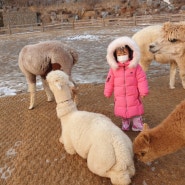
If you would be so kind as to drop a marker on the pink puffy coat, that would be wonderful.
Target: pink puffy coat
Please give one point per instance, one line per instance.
(127, 81)
(128, 84)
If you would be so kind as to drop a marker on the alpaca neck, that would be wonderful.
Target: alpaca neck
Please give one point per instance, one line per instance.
(62, 96)
(66, 107)
(64, 101)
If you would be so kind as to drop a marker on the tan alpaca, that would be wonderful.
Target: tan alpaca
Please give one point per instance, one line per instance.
(144, 38)
(166, 138)
(40, 59)
(171, 43)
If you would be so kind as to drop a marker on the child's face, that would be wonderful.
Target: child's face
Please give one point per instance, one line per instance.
(122, 54)
(122, 51)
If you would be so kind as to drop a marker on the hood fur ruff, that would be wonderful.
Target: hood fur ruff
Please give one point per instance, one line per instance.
(120, 42)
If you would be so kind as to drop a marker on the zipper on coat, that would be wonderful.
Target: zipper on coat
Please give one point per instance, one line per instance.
(125, 92)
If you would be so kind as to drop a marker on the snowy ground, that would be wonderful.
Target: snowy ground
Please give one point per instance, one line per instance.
(90, 44)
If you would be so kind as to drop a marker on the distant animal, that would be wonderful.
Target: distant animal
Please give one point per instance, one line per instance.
(41, 58)
(144, 38)
(172, 43)
(93, 136)
(166, 138)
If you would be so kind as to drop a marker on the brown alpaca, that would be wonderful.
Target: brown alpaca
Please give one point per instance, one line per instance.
(166, 138)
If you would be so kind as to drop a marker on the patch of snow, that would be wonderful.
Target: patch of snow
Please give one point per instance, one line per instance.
(6, 91)
(11, 152)
(6, 172)
(83, 37)
(167, 1)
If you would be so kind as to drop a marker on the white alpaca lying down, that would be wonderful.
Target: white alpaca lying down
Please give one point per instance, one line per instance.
(93, 136)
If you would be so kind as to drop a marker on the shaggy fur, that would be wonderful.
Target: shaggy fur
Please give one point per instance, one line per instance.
(120, 42)
(143, 38)
(172, 43)
(41, 58)
(93, 136)
(166, 138)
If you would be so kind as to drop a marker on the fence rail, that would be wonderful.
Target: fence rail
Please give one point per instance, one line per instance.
(94, 23)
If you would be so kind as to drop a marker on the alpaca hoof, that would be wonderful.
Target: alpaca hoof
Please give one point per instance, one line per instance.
(172, 87)
(31, 107)
(50, 99)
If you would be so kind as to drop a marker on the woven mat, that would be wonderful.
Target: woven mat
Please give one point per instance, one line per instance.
(30, 152)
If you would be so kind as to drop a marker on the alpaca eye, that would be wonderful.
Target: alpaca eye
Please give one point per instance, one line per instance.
(143, 154)
(172, 40)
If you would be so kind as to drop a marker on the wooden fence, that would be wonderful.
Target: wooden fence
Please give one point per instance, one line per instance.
(143, 20)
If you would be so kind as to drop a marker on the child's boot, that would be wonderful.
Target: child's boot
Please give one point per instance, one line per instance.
(137, 124)
(125, 124)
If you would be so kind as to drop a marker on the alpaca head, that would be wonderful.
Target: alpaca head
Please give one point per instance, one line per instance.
(171, 42)
(60, 85)
(58, 79)
(142, 146)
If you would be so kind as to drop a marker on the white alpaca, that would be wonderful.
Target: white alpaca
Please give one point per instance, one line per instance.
(143, 38)
(40, 59)
(93, 136)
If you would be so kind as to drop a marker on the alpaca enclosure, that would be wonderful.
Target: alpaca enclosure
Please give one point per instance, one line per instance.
(33, 136)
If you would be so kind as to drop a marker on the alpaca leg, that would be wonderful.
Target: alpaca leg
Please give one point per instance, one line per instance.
(61, 139)
(49, 93)
(120, 177)
(182, 75)
(75, 95)
(32, 90)
(69, 149)
(173, 70)
(101, 158)
(74, 91)
(183, 80)
(131, 170)
(67, 144)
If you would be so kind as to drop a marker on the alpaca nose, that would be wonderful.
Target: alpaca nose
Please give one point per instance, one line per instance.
(151, 46)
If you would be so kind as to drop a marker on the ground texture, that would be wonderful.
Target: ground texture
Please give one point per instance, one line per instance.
(31, 153)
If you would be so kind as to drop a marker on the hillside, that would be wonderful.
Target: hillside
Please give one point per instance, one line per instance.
(65, 11)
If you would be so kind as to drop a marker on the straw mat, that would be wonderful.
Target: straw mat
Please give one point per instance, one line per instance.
(30, 152)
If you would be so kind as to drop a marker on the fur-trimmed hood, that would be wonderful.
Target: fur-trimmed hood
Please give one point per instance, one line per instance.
(120, 42)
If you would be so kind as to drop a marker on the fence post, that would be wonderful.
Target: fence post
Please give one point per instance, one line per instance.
(134, 17)
(73, 24)
(9, 27)
(103, 22)
(43, 27)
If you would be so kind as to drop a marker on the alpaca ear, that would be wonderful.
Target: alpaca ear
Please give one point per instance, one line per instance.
(58, 85)
(146, 138)
(145, 126)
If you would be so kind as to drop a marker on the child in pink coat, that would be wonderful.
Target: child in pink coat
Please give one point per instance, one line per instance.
(127, 81)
